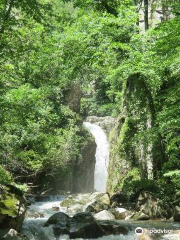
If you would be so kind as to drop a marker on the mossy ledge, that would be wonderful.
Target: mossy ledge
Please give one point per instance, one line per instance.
(12, 207)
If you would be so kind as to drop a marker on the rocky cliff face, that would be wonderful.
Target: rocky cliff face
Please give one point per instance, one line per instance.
(133, 154)
(106, 123)
(80, 177)
(73, 97)
(119, 163)
(83, 177)
(130, 158)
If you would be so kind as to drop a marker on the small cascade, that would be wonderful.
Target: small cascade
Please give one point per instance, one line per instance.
(102, 156)
(39, 212)
(36, 216)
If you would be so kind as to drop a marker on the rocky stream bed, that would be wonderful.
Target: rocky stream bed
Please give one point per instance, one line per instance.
(87, 216)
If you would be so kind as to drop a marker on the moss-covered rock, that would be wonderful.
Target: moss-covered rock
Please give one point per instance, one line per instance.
(123, 156)
(12, 207)
(101, 202)
(176, 215)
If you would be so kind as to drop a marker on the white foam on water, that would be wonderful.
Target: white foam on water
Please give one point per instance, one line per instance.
(45, 208)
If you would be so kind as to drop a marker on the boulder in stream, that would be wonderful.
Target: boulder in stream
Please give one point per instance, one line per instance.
(83, 225)
(104, 215)
(61, 223)
(91, 202)
(68, 201)
(101, 202)
(113, 227)
(119, 213)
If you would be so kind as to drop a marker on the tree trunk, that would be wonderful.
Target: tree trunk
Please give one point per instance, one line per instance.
(6, 14)
(146, 20)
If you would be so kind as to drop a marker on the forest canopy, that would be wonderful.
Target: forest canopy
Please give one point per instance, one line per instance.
(99, 49)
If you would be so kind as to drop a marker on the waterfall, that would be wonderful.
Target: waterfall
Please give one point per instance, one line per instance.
(102, 156)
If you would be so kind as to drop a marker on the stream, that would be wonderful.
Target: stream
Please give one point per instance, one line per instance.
(39, 212)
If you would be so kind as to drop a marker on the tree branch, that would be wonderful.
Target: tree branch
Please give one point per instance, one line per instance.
(6, 14)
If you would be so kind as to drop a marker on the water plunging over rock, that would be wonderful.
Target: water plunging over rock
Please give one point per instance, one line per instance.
(106, 123)
(102, 156)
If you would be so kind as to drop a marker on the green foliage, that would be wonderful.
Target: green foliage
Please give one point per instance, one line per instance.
(22, 187)
(175, 173)
(134, 187)
(128, 184)
(49, 46)
(174, 182)
(5, 177)
(39, 133)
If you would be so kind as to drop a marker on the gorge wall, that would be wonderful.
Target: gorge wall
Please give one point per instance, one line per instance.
(83, 175)
(133, 154)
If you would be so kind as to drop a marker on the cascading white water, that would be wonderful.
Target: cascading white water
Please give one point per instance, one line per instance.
(34, 228)
(102, 156)
(39, 212)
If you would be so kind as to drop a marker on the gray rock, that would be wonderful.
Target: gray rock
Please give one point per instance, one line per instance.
(61, 223)
(55, 208)
(75, 208)
(143, 216)
(96, 207)
(176, 215)
(84, 225)
(104, 199)
(119, 213)
(104, 215)
(85, 166)
(68, 201)
(14, 235)
(101, 202)
(129, 214)
(106, 123)
(113, 227)
(140, 216)
(81, 225)
(86, 202)
(72, 96)
(151, 206)
(58, 218)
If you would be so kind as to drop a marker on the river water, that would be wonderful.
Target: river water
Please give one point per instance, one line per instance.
(39, 212)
